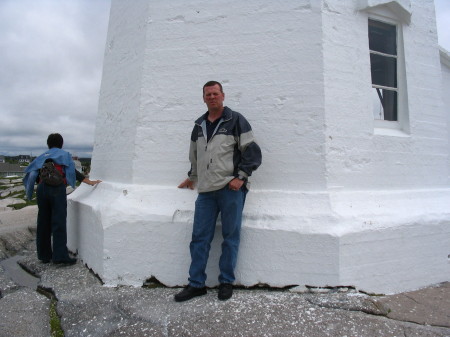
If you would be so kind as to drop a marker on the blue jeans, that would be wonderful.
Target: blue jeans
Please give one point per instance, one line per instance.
(207, 207)
(51, 222)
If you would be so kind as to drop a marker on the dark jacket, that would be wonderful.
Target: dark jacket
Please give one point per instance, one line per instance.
(231, 151)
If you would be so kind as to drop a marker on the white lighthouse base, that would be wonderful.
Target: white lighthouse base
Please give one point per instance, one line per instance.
(379, 242)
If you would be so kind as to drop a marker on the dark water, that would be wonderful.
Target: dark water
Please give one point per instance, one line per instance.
(17, 274)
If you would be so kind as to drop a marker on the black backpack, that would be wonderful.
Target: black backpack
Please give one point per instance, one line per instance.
(50, 175)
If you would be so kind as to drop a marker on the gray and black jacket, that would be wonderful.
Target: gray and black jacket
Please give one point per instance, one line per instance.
(231, 151)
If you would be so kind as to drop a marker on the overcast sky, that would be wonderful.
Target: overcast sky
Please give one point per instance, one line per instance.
(51, 54)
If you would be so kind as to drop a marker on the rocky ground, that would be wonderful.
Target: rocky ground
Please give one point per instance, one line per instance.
(12, 193)
(84, 307)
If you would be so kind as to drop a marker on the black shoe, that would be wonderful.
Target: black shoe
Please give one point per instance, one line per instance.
(66, 262)
(225, 291)
(189, 292)
(44, 261)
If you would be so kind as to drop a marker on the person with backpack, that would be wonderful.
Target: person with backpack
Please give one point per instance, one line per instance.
(53, 171)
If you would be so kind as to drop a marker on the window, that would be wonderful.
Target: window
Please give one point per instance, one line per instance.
(384, 64)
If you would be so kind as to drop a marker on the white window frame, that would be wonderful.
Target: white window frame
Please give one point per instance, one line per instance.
(401, 126)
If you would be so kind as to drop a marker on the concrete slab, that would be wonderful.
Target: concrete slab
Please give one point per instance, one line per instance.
(87, 308)
(6, 284)
(24, 313)
(429, 306)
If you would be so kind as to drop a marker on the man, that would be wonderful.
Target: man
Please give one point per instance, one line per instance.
(51, 233)
(223, 154)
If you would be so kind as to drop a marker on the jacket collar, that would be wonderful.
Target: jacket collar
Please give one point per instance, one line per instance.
(226, 115)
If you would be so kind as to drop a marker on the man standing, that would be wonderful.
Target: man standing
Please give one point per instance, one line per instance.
(51, 233)
(223, 154)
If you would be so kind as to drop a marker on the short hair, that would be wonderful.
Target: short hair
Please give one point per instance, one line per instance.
(211, 84)
(55, 140)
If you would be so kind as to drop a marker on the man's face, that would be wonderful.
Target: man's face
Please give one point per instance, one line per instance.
(213, 98)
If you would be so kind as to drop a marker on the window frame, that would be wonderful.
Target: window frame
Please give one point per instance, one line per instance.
(402, 122)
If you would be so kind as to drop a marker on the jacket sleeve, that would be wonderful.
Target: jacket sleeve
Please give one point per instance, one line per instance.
(70, 169)
(79, 176)
(251, 156)
(29, 181)
(193, 155)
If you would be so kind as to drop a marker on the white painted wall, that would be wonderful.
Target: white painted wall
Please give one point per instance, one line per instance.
(119, 104)
(445, 67)
(335, 202)
(359, 157)
(155, 68)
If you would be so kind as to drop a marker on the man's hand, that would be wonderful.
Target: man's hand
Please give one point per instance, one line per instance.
(187, 184)
(91, 182)
(235, 184)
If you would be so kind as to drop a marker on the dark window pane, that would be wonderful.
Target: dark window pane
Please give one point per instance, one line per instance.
(390, 105)
(382, 37)
(385, 104)
(384, 70)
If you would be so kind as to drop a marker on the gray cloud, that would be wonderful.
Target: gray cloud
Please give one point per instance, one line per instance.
(443, 22)
(51, 57)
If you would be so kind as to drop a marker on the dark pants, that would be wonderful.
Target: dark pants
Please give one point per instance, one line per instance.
(51, 222)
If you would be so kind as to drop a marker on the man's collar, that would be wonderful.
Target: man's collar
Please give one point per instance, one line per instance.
(226, 115)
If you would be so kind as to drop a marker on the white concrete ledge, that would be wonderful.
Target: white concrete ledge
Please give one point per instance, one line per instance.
(128, 234)
(401, 8)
